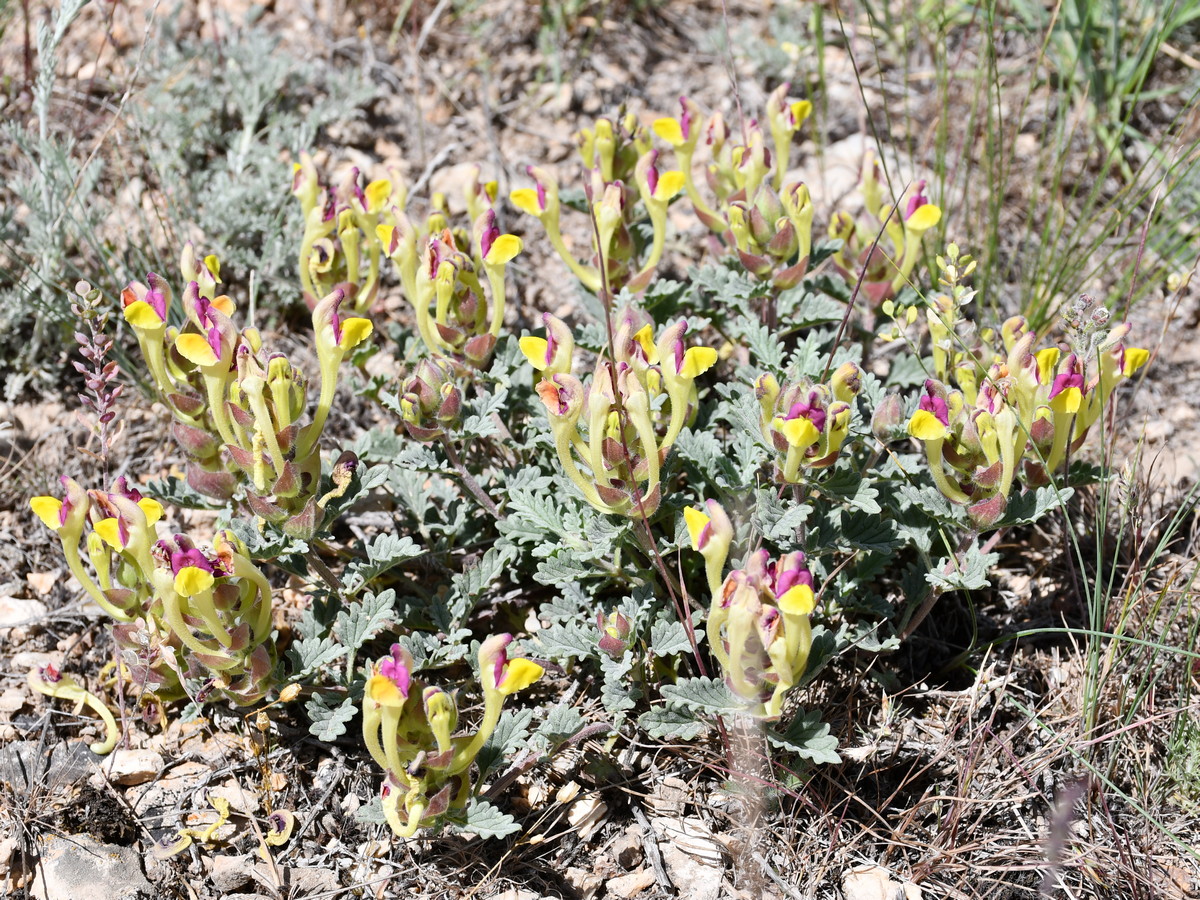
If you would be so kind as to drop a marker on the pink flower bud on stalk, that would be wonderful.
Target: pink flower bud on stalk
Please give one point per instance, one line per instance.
(614, 630)
(440, 276)
(542, 203)
(431, 401)
(334, 337)
(622, 169)
(905, 225)
(784, 118)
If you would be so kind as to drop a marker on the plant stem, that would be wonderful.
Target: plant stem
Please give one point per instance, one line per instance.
(935, 592)
(469, 481)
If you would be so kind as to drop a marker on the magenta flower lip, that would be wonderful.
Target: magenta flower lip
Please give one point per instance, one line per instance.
(1064, 381)
(936, 405)
(155, 296)
(490, 232)
(811, 411)
(396, 670)
(685, 120)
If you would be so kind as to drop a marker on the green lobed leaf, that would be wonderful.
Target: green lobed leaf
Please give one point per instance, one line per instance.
(512, 731)
(326, 721)
(665, 722)
(703, 694)
(313, 654)
(863, 531)
(969, 574)
(569, 640)
(669, 638)
(561, 724)
(778, 518)
(562, 568)
(618, 693)
(1029, 506)
(365, 618)
(808, 737)
(487, 821)
(172, 491)
(763, 342)
(385, 552)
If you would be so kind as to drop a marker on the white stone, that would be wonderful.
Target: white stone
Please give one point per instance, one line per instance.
(875, 883)
(129, 767)
(17, 611)
(77, 867)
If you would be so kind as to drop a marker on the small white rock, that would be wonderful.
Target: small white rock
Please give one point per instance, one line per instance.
(79, 866)
(129, 767)
(17, 611)
(587, 815)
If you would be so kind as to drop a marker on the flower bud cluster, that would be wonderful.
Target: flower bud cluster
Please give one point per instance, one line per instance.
(768, 224)
(886, 270)
(412, 731)
(431, 400)
(613, 434)
(758, 625)
(622, 169)
(237, 410)
(1022, 414)
(338, 250)
(182, 614)
(443, 271)
(807, 423)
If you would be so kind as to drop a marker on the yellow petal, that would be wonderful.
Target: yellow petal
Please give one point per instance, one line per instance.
(534, 349)
(141, 314)
(696, 520)
(152, 508)
(645, 337)
(1067, 400)
(224, 303)
(503, 249)
(698, 360)
(801, 110)
(384, 691)
(1135, 358)
(1047, 359)
(925, 426)
(669, 184)
(520, 674)
(799, 601)
(354, 332)
(192, 580)
(384, 233)
(194, 348)
(377, 193)
(110, 532)
(47, 509)
(800, 432)
(214, 266)
(669, 130)
(923, 218)
(526, 200)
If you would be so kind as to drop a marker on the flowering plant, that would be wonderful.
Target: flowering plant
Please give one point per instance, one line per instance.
(188, 622)
(411, 731)
(237, 411)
